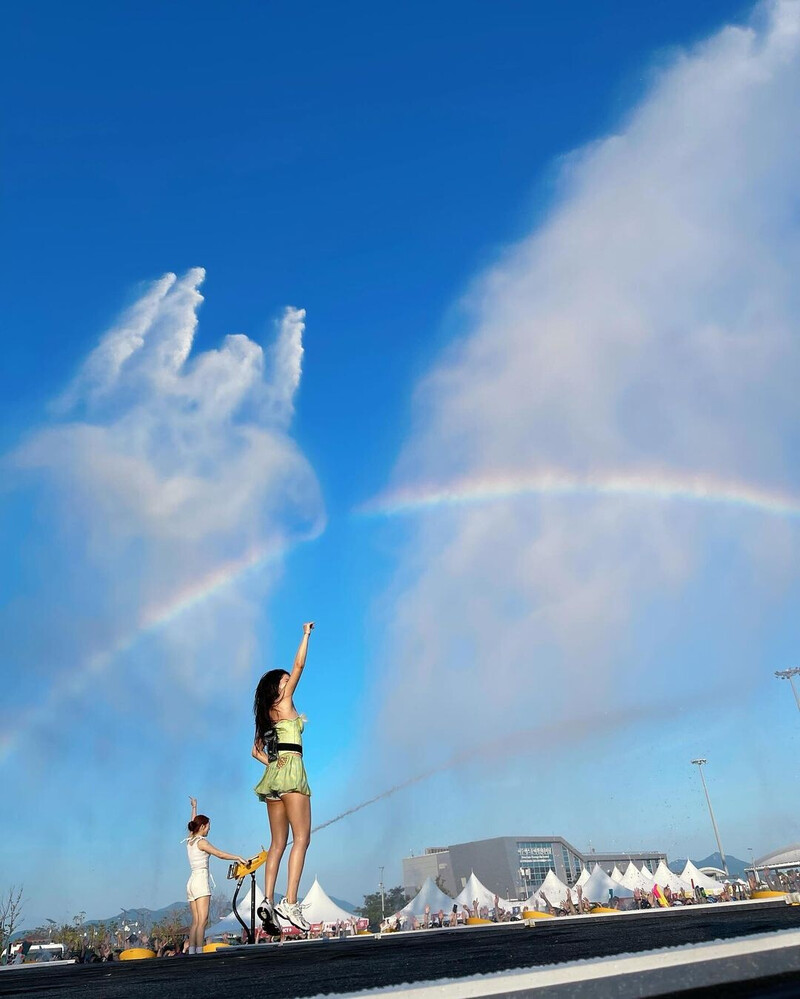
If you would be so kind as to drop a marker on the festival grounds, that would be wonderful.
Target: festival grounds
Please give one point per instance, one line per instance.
(751, 964)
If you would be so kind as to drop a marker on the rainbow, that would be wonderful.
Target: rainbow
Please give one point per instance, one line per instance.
(647, 485)
(200, 590)
(74, 682)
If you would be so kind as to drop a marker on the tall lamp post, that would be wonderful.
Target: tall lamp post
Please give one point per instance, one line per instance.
(788, 674)
(383, 896)
(699, 765)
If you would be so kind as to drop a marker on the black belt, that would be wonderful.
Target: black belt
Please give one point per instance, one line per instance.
(290, 747)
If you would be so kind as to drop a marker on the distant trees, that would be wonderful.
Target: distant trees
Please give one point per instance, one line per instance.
(219, 906)
(394, 899)
(171, 930)
(72, 935)
(11, 905)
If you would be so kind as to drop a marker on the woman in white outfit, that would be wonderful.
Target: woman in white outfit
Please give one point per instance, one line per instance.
(198, 887)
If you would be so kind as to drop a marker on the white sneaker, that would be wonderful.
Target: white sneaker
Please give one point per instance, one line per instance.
(292, 912)
(266, 913)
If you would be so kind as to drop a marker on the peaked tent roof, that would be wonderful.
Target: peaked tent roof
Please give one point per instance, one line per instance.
(553, 887)
(599, 885)
(319, 907)
(634, 878)
(474, 889)
(691, 873)
(664, 877)
(229, 923)
(429, 894)
(583, 878)
(616, 874)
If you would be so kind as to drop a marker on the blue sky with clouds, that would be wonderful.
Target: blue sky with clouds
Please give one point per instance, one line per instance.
(546, 256)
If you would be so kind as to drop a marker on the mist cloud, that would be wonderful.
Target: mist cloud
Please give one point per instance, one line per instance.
(164, 476)
(650, 324)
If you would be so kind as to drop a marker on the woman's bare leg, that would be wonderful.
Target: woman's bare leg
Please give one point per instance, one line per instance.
(279, 831)
(195, 924)
(202, 920)
(298, 810)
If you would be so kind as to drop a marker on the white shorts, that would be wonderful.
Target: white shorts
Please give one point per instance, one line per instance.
(197, 886)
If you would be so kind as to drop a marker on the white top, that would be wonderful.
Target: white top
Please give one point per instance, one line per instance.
(198, 859)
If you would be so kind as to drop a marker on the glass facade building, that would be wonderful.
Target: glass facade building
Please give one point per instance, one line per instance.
(512, 866)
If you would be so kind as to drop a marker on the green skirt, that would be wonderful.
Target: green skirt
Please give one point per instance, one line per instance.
(285, 774)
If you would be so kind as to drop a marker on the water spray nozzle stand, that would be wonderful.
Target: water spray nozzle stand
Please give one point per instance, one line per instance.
(238, 872)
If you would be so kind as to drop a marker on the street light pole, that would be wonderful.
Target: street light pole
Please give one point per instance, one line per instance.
(699, 764)
(383, 896)
(752, 862)
(789, 674)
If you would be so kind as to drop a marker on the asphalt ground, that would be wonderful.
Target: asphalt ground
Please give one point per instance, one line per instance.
(313, 968)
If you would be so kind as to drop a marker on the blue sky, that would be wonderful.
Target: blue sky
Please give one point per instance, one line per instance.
(435, 185)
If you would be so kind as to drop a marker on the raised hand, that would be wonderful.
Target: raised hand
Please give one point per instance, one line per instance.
(308, 627)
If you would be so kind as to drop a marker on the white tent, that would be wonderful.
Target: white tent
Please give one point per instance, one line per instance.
(473, 889)
(584, 877)
(666, 878)
(229, 923)
(694, 874)
(429, 894)
(634, 878)
(319, 907)
(599, 885)
(616, 874)
(649, 877)
(555, 890)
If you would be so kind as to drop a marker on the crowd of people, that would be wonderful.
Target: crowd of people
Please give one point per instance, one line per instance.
(657, 898)
(575, 903)
(34, 950)
(332, 930)
(456, 916)
(176, 941)
(788, 881)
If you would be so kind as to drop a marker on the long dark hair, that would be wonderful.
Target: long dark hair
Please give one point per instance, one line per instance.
(267, 695)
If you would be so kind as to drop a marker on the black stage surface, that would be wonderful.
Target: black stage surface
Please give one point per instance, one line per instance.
(308, 969)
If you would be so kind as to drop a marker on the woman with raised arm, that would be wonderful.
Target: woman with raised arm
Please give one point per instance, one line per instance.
(198, 887)
(284, 786)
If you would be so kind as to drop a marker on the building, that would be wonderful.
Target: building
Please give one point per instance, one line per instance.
(434, 863)
(785, 859)
(512, 866)
(608, 861)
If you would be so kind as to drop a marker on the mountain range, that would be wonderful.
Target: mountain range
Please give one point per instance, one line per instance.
(735, 865)
(148, 917)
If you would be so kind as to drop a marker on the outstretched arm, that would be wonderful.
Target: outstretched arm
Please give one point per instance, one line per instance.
(194, 807)
(206, 847)
(299, 662)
